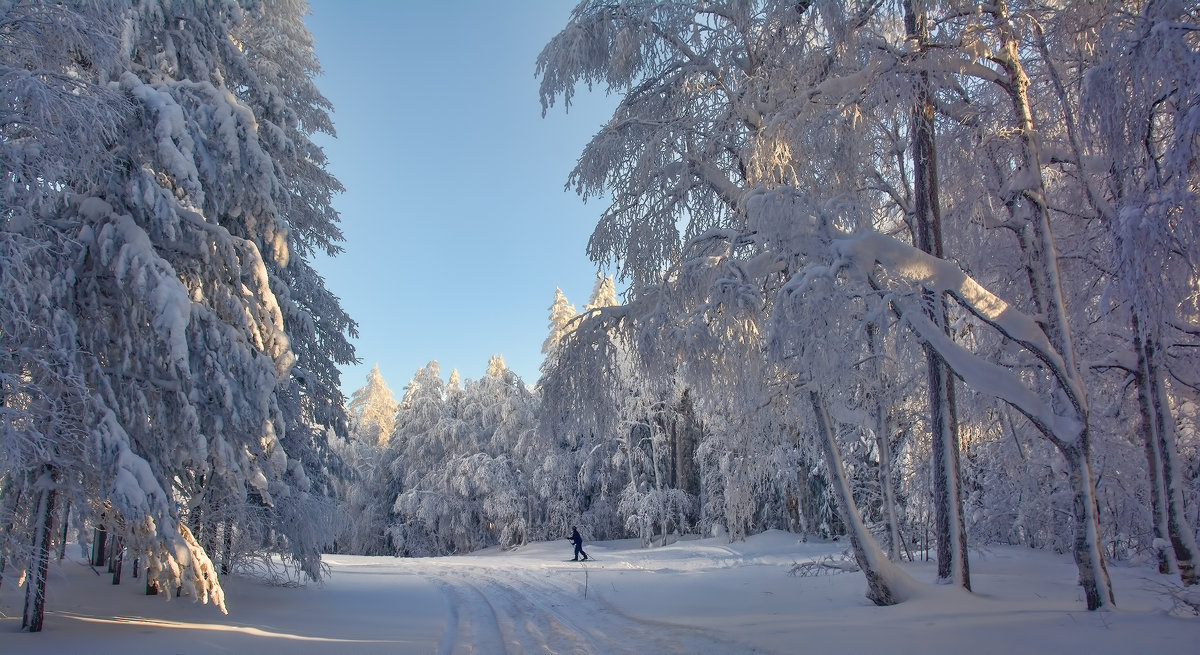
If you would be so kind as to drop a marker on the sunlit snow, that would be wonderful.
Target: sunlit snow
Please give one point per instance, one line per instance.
(692, 596)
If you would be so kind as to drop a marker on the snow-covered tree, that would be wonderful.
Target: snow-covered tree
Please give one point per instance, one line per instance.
(1147, 198)
(837, 105)
(927, 228)
(466, 455)
(364, 518)
(604, 294)
(419, 438)
(699, 125)
(373, 411)
(160, 160)
(561, 314)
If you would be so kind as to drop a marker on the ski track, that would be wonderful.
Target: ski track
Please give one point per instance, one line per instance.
(544, 611)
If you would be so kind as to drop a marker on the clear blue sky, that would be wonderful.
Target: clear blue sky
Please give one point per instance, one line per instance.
(457, 225)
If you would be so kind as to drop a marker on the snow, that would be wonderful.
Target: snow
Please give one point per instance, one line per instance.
(941, 275)
(695, 595)
(170, 134)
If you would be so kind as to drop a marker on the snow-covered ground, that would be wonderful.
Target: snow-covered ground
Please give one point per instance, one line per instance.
(694, 596)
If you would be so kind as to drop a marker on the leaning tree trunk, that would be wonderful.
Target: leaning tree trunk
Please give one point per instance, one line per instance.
(35, 587)
(876, 567)
(947, 472)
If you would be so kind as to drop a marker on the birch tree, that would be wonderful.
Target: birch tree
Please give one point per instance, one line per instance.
(1065, 426)
(927, 215)
(1147, 132)
(706, 115)
(824, 102)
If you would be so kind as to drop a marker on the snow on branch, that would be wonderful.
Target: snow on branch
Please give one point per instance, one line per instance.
(825, 565)
(981, 375)
(920, 268)
(939, 275)
(140, 271)
(867, 250)
(174, 557)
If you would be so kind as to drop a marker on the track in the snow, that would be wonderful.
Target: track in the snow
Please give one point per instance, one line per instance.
(530, 611)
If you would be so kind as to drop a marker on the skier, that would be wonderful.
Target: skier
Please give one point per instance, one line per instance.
(578, 541)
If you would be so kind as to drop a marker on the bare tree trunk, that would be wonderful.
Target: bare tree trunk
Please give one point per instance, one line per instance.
(1046, 288)
(35, 587)
(1089, 557)
(803, 502)
(866, 551)
(1149, 432)
(99, 543)
(114, 552)
(883, 441)
(947, 476)
(10, 495)
(953, 565)
(118, 560)
(66, 526)
(227, 548)
(1183, 541)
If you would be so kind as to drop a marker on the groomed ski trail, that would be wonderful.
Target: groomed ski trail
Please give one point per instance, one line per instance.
(498, 609)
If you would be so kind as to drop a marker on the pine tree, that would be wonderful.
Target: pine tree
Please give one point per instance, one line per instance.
(373, 411)
(561, 313)
(604, 294)
(171, 170)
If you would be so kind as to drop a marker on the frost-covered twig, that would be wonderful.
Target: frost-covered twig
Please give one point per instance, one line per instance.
(826, 565)
(1185, 600)
(273, 570)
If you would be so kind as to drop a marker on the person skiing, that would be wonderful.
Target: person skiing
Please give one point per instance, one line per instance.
(578, 541)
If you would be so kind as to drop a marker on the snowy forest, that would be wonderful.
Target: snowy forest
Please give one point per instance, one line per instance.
(168, 374)
(919, 274)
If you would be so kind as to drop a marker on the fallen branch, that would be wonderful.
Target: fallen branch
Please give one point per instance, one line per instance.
(826, 565)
